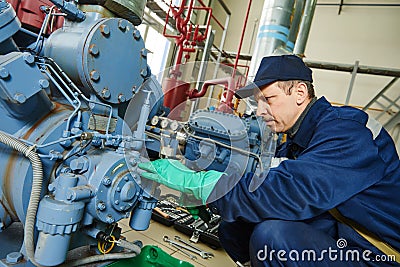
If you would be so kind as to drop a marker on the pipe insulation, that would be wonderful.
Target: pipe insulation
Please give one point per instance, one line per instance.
(35, 192)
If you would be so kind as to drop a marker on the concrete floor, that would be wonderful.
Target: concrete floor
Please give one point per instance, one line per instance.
(154, 236)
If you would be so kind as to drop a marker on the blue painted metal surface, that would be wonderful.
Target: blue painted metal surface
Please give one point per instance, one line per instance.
(67, 107)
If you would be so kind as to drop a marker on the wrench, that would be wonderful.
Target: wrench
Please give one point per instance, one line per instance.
(203, 254)
(192, 257)
(193, 246)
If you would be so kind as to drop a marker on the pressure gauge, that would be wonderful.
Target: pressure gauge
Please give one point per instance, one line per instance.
(164, 124)
(155, 120)
(174, 125)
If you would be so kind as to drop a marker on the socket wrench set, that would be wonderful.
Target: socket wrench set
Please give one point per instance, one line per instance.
(202, 228)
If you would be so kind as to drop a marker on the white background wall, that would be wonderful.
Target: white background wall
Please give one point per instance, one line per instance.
(368, 34)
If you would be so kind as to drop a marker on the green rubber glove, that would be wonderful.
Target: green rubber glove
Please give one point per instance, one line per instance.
(175, 175)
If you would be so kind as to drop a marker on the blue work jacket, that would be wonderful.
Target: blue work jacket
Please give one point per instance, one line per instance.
(340, 158)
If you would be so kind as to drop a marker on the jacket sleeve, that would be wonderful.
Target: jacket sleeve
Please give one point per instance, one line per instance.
(340, 161)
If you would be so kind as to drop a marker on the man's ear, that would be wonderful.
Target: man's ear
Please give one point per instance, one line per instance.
(301, 93)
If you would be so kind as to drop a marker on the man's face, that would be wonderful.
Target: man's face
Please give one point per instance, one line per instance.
(277, 108)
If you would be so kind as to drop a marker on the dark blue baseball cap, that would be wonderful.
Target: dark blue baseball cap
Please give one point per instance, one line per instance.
(277, 68)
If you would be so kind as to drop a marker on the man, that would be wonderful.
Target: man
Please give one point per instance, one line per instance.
(339, 186)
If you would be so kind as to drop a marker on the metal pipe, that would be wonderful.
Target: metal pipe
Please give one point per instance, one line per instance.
(353, 79)
(241, 38)
(294, 29)
(273, 30)
(349, 68)
(305, 26)
(368, 5)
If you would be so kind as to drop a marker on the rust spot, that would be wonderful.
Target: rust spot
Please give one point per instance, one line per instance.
(7, 180)
(57, 109)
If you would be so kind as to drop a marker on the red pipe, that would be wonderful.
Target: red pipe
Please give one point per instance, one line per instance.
(228, 81)
(227, 102)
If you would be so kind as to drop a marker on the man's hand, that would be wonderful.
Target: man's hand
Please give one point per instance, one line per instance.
(175, 175)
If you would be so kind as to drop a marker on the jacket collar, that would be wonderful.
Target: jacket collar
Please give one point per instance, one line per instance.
(305, 131)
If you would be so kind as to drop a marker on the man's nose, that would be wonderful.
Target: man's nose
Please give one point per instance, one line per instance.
(263, 109)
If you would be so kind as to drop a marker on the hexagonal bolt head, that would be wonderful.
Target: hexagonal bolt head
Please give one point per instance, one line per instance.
(93, 50)
(4, 73)
(44, 84)
(101, 206)
(110, 219)
(29, 59)
(121, 98)
(122, 24)
(144, 52)
(106, 181)
(20, 98)
(105, 30)
(14, 257)
(94, 75)
(136, 34)
(105, 93)
(143, 72)
(79, 164)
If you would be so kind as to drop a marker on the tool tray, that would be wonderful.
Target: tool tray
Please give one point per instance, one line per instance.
(184, 222)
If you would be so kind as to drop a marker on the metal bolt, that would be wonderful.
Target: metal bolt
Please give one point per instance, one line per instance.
(143, 72)
(126, 178)
(79, 164)
(106, 181)
(104, 29)
(136, 34)
(94, 75)
(134, 88)
(116, 202)
(4, 73)
(29, 59)
(101, 205)
(14, 257)
(118, 189)
(44, 84)
(121, 98)
(122, 24)
(71, 195)
(143, 52)
(105, 93)
(20, 98)
(110, 219)
(94, 50)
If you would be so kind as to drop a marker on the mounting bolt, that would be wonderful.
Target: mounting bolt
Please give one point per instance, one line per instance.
(143, 72)
(104, 29)
(121, 98)
(116, 202)
(110, 219)
(101, 205)
(44, 84)
(136, 34)
(20, 98)
(122, 24)
(4, 73)
(93, 50)
(29, 59)
(106, 181)
(94, 75)
(143, 52)
(105, 93)
(14, 257)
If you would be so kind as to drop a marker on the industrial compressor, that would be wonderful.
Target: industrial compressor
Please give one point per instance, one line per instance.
(80, 110)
